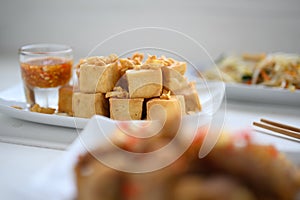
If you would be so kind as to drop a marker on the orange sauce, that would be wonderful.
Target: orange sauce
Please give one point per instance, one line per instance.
(46, 72)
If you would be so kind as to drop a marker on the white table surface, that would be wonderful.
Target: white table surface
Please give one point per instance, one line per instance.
(20, 161)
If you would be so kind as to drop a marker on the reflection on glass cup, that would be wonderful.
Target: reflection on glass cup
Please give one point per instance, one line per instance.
(45, 68)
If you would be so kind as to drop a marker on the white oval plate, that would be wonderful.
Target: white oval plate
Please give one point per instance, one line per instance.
(262, 94)
(210, 95)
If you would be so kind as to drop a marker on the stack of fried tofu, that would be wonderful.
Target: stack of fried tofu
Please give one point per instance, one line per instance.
(130, 89)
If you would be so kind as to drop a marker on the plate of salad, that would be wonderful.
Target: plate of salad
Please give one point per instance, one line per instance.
(268, 78)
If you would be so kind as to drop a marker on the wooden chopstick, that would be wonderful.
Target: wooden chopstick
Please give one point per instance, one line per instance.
(281, 128)
(280, 125)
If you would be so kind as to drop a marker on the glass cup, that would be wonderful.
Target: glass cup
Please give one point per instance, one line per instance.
(45, 68)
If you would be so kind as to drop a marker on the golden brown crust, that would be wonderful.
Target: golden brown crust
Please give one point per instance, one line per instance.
(65, 95)
(144, 83)
(126, 109)
(86, 105)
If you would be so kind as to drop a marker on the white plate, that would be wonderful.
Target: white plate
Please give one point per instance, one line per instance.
(262, 94)
(58, 120)
(211, 97)
(14, 96)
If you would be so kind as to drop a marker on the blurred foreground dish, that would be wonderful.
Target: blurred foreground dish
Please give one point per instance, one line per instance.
(274, 70)
(229, 171)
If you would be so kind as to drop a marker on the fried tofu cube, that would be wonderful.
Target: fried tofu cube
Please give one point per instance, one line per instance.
(126, 109)
(169, 106)
(191, 97)
(181, 100)
(173, 80)
(192, 101)
(144, 83)
(65, 96)
(179, 67)
(168, 112)
(86, 105)
(166, 94)
(98, 79)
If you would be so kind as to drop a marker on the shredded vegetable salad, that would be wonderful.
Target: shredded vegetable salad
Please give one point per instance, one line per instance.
(274, 70)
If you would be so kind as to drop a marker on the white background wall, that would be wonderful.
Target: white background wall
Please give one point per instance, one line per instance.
(220, 25)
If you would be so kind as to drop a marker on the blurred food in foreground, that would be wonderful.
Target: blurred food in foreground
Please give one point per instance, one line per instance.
(236, 168)
(274, 70)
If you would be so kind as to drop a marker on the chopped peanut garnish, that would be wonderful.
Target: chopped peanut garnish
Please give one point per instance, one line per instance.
(166, 95)
(118, 92)
(17, 107)
(37, 108)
